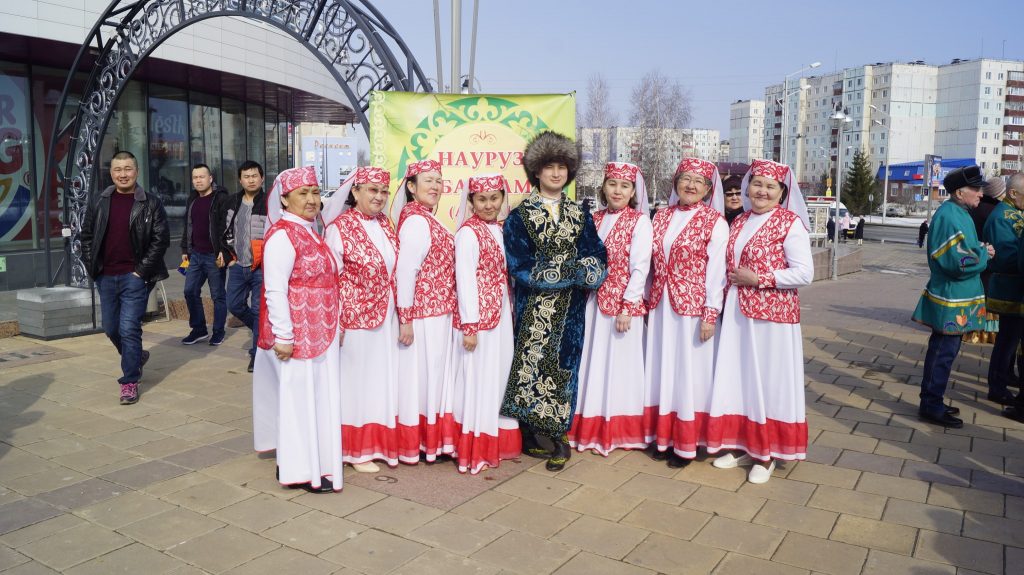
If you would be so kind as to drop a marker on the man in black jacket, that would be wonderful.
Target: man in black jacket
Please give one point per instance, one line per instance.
(243, 237)
(124, 238)
(202, 247)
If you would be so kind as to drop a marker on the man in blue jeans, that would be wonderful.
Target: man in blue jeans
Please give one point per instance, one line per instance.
(201, 247)
(243, 238)
(124, 238)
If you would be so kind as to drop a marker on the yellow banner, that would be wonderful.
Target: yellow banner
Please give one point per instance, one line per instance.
(468, 134)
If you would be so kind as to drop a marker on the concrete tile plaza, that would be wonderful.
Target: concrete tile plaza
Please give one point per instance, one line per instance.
(171, 485)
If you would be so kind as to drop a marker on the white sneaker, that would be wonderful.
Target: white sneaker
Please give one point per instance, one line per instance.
(729, 460)
(368, 467)
(761, 474)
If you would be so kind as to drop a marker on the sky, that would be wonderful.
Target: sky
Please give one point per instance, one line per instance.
(719, 52)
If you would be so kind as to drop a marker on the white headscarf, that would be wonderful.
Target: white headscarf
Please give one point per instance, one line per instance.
(710, 171)
(631, 173)
(782, 173)
(477, 184)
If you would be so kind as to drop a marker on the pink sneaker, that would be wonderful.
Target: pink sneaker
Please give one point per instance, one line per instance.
(129, 393)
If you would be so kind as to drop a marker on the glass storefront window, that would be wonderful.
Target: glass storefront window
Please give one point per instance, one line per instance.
(232, 114)
(169, 170)
(47, 85)
(283, 142)
(254, 137)
(270, 126)
(17, 202)
(204, 133)
(126, 131)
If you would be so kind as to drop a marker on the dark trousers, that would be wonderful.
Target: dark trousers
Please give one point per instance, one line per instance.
(202, 268)
(245, 287)
(1004, 352)
(123, 302)
(938, 362)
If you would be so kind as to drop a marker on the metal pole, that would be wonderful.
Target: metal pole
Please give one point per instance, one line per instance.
(839, 188)
(885, 186)
(456, 45)
(472, 47)
(785, 116)
(437, 45)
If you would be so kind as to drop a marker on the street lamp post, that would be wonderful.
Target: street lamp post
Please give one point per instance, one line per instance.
(785, 109)
(888, 146)
(840, 120)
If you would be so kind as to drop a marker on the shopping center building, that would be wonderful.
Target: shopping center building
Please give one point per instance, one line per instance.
(221, 91)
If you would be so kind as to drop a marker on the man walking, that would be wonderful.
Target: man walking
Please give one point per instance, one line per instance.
(554, 254)
(243, 239)
(201, 248)
(124, 239)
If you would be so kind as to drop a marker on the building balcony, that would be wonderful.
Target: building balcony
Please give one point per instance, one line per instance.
(1013, 113)
(1015, 98)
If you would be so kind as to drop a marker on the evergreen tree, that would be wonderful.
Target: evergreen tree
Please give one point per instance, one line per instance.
(858, 183)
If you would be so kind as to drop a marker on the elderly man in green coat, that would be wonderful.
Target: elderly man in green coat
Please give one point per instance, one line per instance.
(1006, 285)
(953, 302)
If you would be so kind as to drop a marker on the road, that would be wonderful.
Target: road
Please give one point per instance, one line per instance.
(899, 234)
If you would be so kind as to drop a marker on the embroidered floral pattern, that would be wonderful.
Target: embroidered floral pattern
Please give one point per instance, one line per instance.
(609, 295)
(491, 279)
(366, 284)
(684, 271)
(435, 285)
(312, 294)
(763, 254)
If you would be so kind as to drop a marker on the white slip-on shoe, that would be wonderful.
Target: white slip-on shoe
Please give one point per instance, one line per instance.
(761, 474)
(729, 460)
(368, 467)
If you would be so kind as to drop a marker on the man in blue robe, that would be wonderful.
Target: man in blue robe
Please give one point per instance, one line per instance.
(554, 255)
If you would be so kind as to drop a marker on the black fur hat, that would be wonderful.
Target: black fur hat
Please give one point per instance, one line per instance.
(549, 147)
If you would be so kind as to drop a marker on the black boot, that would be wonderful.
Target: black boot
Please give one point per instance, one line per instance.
(676, 462)
(654, 453)
(531, 445)
(560, 456)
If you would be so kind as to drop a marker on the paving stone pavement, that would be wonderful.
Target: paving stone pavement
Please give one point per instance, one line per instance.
(170, 485)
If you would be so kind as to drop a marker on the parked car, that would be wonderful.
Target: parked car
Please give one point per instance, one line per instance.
(895, 211)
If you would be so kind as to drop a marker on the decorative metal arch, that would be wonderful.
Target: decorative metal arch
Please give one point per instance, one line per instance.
(358, 46)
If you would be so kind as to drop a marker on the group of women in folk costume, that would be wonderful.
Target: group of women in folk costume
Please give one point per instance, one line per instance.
(422, 366)
(385, 344)
(711, 287)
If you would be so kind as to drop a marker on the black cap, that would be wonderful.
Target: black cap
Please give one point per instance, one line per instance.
(968, 176)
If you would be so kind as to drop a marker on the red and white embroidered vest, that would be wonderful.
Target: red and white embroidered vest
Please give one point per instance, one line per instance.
(491, 276)
(685, 268)
(763, 254)
(367, 286)
(435, 284)
(620, 237)
(312, 294)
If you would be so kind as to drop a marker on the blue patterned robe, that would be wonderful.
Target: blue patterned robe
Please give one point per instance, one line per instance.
(552, 264)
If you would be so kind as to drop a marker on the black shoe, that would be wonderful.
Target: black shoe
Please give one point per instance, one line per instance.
(1014, 412)
(952, 410)
(1001, 397)
(676, 462)
(560, 456)
(195, 337)
(252, 363)
(217, 339)
(325, 486)
(531, 446)
(945, 420)
(654, 453)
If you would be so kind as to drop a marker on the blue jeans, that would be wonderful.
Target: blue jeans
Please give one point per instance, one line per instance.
(938, 362)
(203, 267)
(245, 287)
(1004, 352)
(123, 301)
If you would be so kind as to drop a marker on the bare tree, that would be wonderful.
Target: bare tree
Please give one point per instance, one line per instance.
(661, 108)
(599, 113)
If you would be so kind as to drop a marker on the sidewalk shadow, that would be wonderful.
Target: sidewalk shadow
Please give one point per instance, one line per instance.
(14, 405)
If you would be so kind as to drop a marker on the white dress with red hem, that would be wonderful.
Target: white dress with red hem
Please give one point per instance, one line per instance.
(610, 400)
(424, 368)
(680, 367)
(757, 401)
(369, 379)
(480, 376)
(296, 403)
